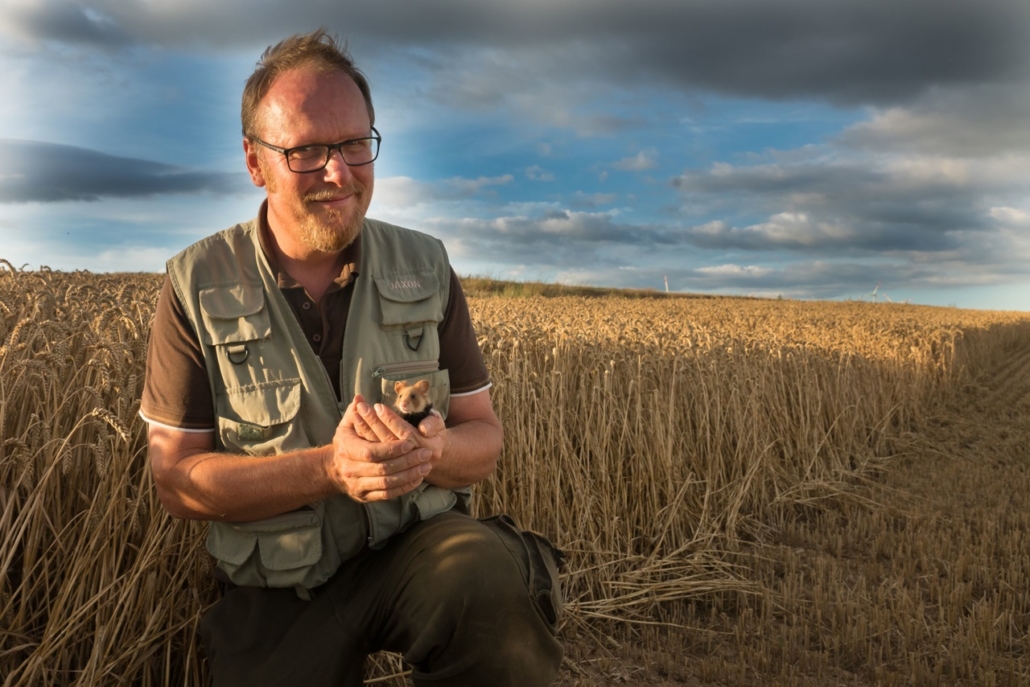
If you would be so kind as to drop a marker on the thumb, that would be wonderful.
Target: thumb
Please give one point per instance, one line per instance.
(431, 425)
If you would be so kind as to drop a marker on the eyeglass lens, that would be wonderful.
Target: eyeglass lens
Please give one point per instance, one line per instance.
(311, 158)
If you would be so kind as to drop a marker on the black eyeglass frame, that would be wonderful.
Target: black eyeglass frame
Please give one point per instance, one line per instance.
(329, 148)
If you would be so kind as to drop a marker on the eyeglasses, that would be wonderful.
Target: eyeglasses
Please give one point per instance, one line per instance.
(312, 158)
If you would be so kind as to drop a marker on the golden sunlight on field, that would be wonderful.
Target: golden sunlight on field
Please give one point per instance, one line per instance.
(729, 478)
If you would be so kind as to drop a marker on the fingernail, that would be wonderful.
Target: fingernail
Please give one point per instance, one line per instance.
(424, 468)
(425, 455)
(407, 447)
(379, 408)
(363, 408)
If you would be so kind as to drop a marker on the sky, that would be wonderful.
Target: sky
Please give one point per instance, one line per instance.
(812, 149)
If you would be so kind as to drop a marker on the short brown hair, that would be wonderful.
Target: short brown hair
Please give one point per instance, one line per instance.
(317, 50)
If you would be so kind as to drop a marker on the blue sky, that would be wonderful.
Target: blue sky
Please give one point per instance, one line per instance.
(795, 148)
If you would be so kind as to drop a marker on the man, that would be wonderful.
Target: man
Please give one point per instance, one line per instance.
(338, 528)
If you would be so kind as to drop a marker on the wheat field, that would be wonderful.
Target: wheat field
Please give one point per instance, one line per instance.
(663, 443)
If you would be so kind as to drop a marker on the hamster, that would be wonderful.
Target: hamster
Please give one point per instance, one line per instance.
(412, 402)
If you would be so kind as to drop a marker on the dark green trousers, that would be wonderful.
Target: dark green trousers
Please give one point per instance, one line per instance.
(451, 594)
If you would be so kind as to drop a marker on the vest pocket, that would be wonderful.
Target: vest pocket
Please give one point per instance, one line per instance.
(287, 546)
(439, 383)
(257, 419)
(405, 300)
(234, 314)
(539, 561)
(430, 500)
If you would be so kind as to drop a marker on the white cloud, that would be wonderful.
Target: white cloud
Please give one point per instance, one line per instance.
(579, 224)
(713, 228)
(592, 199)
(925, 170)
(473, 186)
(1013, 217)
(537, 173)
(642, 161)
(400, 192)
(974, 122)
(736, 271)
(798, 228)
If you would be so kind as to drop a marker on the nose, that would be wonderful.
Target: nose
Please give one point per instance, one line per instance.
(336, 170)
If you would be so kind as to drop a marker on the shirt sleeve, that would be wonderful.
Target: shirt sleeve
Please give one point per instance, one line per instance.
(459, 351)
(176, 391)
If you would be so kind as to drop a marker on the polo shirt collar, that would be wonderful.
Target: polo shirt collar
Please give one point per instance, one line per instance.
(352, 256)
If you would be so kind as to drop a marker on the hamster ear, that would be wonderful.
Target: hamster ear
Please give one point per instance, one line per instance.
(397, 386)
(422, 385)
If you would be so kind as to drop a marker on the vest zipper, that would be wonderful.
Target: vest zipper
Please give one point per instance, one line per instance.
(402, 368)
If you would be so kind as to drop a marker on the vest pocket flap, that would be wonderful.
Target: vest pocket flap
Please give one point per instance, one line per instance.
(229, 544)
(288, 541)
(260, 406)
(407, 288)
(234, 313)
(410, 298)
(433, 500)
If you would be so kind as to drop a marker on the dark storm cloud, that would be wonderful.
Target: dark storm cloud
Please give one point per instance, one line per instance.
(561, 228)
(33, 171)
(800, 233)
(63, 22)
(557, 237)
(820, 207)
(978, 121)
(846, 51)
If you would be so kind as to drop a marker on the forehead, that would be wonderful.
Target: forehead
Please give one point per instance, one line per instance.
(304, 106)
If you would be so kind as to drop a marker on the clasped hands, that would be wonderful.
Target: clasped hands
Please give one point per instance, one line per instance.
(378, 456)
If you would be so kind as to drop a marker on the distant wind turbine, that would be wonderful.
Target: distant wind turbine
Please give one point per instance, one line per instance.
(886, 297)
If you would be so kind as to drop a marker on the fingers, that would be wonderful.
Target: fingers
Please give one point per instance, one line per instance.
(384, 423)
(370, 480)
(386, 495)
(370, 462)
(432, 425)
(361, 426)
(360, 419)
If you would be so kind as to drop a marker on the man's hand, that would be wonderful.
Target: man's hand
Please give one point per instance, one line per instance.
(378, 456)
(462, 451)
(381, 423)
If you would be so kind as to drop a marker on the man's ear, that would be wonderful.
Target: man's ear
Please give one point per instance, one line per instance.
(250, 152)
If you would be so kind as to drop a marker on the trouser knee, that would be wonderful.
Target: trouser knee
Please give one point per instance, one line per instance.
(482, 624)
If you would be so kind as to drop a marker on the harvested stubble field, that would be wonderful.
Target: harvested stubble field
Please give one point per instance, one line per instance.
(750, 492)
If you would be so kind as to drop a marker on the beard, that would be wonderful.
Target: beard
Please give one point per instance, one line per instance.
(321, 229)
(329, 230)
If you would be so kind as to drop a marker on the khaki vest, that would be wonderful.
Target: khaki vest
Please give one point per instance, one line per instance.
(272, 394)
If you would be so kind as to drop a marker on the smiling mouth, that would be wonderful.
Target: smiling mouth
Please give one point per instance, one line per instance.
(331, 202)
(330, 198)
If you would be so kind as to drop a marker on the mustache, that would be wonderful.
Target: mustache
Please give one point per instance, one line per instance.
(329, 194)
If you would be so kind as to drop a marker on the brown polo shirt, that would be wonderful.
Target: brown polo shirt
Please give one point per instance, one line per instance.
(177, 392)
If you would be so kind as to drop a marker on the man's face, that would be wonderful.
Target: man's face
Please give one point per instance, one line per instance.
(314, 212)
